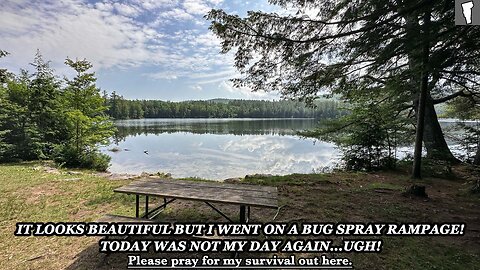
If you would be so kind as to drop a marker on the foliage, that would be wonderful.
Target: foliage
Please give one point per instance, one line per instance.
(5, 146)
(344, 43)
(23, 133)
(87, 121)
(369, 135)
(68, 156)
(45, 108)
(39, 119)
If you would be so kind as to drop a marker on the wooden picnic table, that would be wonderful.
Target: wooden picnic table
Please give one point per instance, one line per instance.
(242, 195)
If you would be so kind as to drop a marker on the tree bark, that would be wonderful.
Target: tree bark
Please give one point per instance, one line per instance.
(417, 154)
(422, 100)
(437, 147)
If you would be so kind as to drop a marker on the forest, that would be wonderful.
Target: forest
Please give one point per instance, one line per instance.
(120, 108)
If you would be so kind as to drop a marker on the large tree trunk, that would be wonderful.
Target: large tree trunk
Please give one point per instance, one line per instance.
(433, 137)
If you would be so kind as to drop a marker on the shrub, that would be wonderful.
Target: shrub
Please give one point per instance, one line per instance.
(92, 159)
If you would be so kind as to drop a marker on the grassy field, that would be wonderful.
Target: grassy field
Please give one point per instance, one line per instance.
(38, 193)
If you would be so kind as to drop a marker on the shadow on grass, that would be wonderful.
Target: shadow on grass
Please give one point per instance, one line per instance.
(91, 258)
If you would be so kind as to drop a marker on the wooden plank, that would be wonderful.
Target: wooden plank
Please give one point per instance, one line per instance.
(172, 185)
(169, 185)
(246, 187)
(272, 193)
(199, 195)
(199, 191)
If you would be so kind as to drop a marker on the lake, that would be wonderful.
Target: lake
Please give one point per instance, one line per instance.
(218, 148)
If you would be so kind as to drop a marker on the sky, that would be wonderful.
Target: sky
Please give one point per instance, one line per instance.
(142, 49)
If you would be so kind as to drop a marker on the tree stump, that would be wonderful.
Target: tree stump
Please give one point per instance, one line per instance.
(416, 191)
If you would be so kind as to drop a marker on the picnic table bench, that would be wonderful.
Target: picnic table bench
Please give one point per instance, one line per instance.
(170, 190)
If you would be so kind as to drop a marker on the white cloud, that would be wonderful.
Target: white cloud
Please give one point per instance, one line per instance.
(74, 29)
(155, 4)
(245, 91)
(127, 10)
(196, 87)
(215, 2)
(228, 73)
(197, 7)
(207, 39)
(216, 80)
(104, 6)
(167, 75)
(176, 14)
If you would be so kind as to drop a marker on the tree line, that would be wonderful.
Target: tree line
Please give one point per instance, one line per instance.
(120, 108)
(43, 117)
(276, 126)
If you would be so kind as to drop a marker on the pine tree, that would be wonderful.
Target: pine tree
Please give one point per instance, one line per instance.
(86, 118)
(45, 107)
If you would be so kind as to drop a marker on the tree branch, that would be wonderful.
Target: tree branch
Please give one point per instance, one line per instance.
(450, 97)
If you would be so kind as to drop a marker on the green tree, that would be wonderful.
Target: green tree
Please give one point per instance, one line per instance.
(44, 105)
(358, 48)
(23, 133)
(86, 118)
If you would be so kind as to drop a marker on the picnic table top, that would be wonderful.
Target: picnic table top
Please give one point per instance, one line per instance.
(250, 195)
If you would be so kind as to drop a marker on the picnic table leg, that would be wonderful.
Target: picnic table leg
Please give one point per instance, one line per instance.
(243, 219)
(146, 206)
(137, 205)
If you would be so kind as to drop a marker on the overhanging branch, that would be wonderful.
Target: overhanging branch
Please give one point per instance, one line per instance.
(450, 97)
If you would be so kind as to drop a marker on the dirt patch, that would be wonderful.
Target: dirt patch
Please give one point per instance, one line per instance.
(47, 169)
(37, 193)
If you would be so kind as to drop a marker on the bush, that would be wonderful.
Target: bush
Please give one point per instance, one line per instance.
(91, 159)
(368, 136)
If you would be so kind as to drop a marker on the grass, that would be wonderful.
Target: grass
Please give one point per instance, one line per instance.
(29, 193)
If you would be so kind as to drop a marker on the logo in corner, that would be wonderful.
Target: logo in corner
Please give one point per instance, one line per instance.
(467, 12)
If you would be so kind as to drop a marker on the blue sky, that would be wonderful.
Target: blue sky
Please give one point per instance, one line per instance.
(145, 49)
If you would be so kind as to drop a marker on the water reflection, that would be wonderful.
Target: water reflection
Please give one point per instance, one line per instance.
(218, 148)
(212, 126)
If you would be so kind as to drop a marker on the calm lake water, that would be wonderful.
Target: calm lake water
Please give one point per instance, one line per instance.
(226, 148)
(218, 148)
